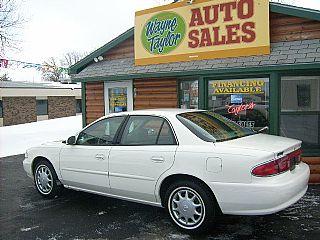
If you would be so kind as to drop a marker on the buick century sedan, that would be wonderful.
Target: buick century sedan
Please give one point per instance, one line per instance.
(194, 163)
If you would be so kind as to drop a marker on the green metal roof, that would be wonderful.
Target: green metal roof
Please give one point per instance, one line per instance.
(295, 11)
(274, 7)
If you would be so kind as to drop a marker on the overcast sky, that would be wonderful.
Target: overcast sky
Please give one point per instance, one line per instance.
(55, 27)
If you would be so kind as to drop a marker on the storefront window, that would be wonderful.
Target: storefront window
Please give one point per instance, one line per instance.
(245, 101)
(117, 99)
(300, 110)
(189, 94)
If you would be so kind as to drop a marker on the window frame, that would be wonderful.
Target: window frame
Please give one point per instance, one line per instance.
(125, 123)
(95, 122)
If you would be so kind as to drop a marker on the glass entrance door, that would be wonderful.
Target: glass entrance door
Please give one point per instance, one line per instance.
(118, 96)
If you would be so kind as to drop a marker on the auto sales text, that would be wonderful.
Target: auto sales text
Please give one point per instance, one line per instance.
(222, 24)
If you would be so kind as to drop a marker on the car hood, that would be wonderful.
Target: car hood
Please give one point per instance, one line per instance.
(264, 142)
(57, 143)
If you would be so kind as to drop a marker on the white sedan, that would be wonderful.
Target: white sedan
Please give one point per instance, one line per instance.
(194, 163)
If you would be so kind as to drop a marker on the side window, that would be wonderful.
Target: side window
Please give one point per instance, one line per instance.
(166, 136)
(147, 130)
(101, 133)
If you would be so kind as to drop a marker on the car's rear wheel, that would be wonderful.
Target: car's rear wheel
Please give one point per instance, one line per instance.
(190, 206)
(46, 180)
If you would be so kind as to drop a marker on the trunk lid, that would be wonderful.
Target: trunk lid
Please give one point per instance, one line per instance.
(263, 142)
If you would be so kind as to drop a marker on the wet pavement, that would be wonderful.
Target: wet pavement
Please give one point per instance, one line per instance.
(24, 214)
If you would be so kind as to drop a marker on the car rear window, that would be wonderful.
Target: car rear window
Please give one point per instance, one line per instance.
(212, 127)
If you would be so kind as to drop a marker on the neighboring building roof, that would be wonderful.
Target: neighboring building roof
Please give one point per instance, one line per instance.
(274, 7)
(44, 85)
(284, 53)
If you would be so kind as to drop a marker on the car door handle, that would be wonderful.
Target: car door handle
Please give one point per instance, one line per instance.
(100, 157)
(157, 159)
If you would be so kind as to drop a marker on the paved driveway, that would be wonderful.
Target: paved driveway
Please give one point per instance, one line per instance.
(25, 215)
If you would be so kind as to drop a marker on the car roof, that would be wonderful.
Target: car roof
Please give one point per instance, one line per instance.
(159, 111)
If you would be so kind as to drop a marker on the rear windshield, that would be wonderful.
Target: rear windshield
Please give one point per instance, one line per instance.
(212, 127)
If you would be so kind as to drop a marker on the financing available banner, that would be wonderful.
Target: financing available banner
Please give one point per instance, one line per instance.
(201, 29)
(241, 86)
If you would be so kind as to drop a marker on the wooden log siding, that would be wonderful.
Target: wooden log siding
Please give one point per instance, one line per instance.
(155, 93)
(123, 50)
(288, 28)
(314, 163)
(94, 101)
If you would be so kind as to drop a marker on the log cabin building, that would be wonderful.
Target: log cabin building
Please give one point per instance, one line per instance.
(279, 89)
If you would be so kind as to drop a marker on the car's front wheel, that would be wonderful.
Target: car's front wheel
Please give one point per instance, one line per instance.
(46, 180)
(190, 206)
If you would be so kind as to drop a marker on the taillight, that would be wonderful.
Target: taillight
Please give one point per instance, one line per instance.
(278, 166)
(268, 169)
(296, 155)
(284, 164)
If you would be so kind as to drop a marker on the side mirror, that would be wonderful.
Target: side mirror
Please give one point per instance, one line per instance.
(71, 140)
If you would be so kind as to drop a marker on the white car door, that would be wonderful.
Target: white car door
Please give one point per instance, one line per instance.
(85, 164)
(145, 151)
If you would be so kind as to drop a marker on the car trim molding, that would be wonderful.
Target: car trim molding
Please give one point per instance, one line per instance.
(131, 176)
(85, 171)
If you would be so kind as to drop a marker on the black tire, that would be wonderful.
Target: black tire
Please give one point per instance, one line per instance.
(45, 173)
(206, 199)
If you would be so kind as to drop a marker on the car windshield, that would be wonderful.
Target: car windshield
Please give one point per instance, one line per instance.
(212, 127)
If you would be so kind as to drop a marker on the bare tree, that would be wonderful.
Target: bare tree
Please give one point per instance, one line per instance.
(51, 70)
(5, 78)
(55, 69)
(71, 58)
(10, 22)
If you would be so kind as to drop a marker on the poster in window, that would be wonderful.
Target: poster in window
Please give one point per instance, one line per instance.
(245, 101)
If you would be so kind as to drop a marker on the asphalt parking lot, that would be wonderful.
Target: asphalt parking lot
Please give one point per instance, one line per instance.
(24, 214)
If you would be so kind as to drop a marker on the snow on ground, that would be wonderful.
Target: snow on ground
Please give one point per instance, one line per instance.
(18, 138)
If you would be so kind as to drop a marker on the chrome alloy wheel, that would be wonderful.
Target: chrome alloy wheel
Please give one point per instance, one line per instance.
(186, 208)
(44, 179)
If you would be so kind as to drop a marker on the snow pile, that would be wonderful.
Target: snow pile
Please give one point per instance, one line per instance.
(18, 138)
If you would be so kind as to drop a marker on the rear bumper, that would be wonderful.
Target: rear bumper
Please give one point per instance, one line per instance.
(264, 196)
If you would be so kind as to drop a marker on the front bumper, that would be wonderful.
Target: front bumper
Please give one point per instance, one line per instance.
(264, 196)
(27, 167)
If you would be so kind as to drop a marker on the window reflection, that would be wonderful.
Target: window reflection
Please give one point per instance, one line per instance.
(245, 101)
(300, 110)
